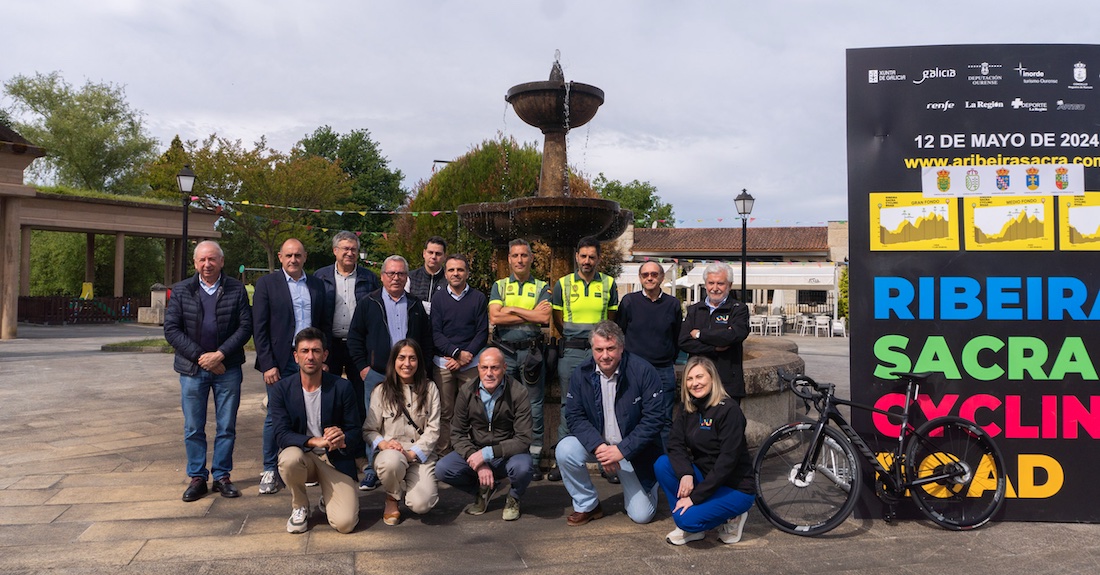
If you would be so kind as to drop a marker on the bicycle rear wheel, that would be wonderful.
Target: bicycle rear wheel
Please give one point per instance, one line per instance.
(822, 499)
(971, 474)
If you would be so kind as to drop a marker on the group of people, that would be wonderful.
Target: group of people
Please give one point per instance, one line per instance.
(426, 379)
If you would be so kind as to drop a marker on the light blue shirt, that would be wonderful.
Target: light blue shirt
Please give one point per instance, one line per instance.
(210, 289)
(490, 402)
(397, 316)
(303, 304)
(714, 307)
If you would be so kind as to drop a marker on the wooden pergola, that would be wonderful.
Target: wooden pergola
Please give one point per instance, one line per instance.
(23, 208)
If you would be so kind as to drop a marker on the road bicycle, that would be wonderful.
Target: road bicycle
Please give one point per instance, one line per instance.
(808, 474)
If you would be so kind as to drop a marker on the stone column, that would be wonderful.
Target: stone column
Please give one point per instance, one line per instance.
(120, 262)
(89, 258)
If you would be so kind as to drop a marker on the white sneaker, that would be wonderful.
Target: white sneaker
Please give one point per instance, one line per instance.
(679, 536)
(299, 520)
(270, 483)
(730, 531)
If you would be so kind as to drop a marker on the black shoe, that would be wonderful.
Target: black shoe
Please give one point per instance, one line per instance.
(225, 487)
(536, 475)
(195, 490)
(612, 478)
(554, 475)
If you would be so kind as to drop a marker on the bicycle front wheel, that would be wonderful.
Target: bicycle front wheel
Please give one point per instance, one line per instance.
(817, 501)
(955, 472)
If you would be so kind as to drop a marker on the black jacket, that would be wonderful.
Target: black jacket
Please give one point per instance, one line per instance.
(339, 407)
(727, 327)
(183, 318)
(510, 431)
(713, 439)
(369, 335)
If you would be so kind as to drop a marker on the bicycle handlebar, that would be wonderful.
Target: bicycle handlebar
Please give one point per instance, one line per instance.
(799, 382)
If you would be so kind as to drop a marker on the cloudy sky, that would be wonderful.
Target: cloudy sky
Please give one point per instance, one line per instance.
(702, 98)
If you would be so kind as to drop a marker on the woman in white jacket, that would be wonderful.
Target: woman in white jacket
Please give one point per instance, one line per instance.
(403, 425)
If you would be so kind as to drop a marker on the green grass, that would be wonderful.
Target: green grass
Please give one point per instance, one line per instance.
(153, 343)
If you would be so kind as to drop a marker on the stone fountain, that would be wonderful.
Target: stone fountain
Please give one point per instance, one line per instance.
(553, 216)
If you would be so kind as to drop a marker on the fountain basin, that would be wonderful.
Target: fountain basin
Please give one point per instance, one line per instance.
(557, 221)
(542, 104)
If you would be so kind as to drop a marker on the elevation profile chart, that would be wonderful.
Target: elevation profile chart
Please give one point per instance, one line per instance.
(1009, 223)
(908, 221)
(1080, 222)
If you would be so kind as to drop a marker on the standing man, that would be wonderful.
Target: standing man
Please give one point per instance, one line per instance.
(580, 301)
(460, 330)
(491, 436)
(615, 411)
(385, 317)
(715, 327)
(425, 282)
(318, 432)
(651, 321)
(208, 322)
(519, 307)
(346, 283)
(286, 301)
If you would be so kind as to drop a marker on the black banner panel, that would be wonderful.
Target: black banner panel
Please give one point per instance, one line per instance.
(974, 214)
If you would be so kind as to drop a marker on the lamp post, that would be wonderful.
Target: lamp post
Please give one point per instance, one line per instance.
(744, 202)
(186, 181)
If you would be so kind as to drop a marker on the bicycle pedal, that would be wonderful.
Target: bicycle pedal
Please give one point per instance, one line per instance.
(890, 514)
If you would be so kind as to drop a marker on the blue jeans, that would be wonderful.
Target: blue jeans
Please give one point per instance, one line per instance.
(271, 449)
(194, 396)
(454, 471)
(641, 505)
(568, 362)
(667, 376)
(369, 383)
(725, 504)
(535, 393)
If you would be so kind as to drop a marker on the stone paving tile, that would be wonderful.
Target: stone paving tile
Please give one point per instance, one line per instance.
(30, 514)
(95, 439)
(15, 497)
(137, 510)
(54, 555)
(127, 494)
(159, 529)
(34, 481)
(214, 548)
(19, 535)
(114, 478)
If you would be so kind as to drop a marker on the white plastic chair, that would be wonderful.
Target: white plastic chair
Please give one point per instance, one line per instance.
(756, 324)
(821, 324)
(805, 324)
(839, 327)
(773, 323)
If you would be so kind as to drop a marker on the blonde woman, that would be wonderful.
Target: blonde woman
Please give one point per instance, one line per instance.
(403, 425)
(707, 474)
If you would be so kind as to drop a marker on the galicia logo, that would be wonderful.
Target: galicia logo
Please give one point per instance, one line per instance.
(940, 106)
(935, 73)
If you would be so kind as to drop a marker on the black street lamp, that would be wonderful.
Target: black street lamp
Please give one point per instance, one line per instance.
(744, 202)
(186, 181)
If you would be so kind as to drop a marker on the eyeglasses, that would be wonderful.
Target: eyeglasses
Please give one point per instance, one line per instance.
(395, 274)
(650, 274)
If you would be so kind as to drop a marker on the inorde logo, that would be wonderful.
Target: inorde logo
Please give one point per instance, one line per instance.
(935, 73)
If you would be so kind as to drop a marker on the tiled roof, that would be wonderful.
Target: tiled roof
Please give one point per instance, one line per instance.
(715, 240)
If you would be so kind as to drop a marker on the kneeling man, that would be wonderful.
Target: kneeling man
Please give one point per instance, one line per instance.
(615, 411)
(491, 436)
(315, 418)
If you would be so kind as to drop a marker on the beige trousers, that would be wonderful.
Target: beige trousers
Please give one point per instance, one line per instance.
(415, 481)
(340, 491)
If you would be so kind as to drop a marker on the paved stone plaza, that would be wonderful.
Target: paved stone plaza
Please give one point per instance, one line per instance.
(91, 473)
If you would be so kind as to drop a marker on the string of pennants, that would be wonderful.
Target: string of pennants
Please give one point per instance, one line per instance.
(730, 262)
(434, 213)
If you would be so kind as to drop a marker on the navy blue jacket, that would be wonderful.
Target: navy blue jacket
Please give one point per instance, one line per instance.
(639, 410)
(183, 318)
(274, 319)
(365, 282)
(287, 407)
(369, 334)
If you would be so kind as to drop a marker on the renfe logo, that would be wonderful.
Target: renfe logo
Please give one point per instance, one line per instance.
(935, 73)
(941, 106)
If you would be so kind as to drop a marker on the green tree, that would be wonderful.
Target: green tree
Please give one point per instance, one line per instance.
(93, 138)
(374, 186)
(57, 264)
(842, 300)
(640, 197)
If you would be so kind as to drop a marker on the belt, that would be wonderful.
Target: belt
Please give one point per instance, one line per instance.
(575, 343)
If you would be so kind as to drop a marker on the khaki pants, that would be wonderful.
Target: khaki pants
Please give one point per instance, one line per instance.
(415, 482)
(340, 492)
(448, 383)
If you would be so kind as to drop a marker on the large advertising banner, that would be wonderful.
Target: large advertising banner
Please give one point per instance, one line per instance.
(974, 214)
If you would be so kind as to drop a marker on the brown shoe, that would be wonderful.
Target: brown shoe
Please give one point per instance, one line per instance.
(582, 517)
(391, 515)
